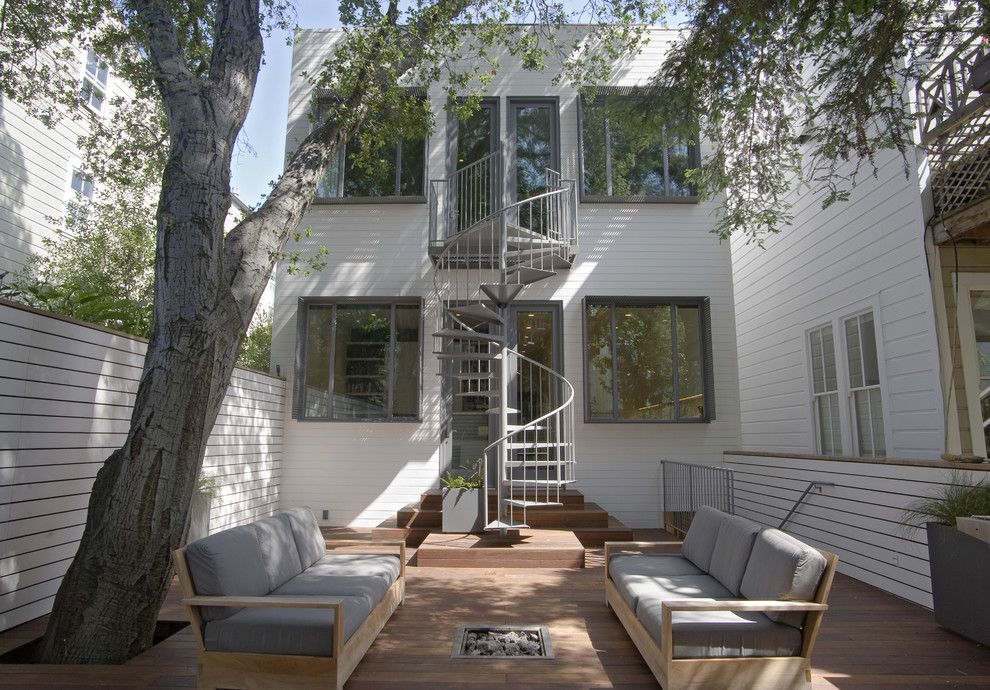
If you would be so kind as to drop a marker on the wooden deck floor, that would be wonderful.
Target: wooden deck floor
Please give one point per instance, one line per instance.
(868, 640)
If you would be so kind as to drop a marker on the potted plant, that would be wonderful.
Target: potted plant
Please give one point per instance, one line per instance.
(465, 501)
(959, 562)
(207, 491)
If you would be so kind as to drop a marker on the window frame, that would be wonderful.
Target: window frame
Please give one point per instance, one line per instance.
(340, 163)
(91, 83)
(706, 343)
(512, 104)
(88, 191)
(965, 284)
(299, 372)
(694, 158)
(850, 446)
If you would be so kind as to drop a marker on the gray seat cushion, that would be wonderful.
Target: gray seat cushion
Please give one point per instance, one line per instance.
(699, 542)
(626, 568)
(782, 568)
(383, 566)
(309, 540)
(732, 549)
(710, 634)
(306, 632)
(227, 563)
(635, 589)
(278, 549)
(308, 583)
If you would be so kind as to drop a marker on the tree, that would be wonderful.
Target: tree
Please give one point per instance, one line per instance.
(764, 77)
(200, 61)
(256, 348)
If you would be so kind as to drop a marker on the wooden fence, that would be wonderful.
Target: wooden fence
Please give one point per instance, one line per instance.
(66, 391)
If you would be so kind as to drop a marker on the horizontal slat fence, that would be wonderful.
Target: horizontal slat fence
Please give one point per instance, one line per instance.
(66, 391)
(860, 518)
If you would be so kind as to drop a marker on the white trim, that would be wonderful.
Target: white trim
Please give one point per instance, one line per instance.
(964, 284)
(837, 320)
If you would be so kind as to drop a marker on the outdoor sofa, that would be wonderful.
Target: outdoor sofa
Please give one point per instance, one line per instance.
(735, 605)
(271, 608)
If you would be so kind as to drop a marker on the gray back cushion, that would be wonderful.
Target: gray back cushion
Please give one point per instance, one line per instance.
(309, 540)
(699, 542)
(278, 549)
(732, 548)
(782, 568)
(227, 563)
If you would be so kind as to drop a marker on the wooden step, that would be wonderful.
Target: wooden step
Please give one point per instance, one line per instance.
(433, 499)
(523, 548)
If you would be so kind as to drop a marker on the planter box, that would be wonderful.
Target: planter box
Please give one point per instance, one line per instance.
(464, 510)
(960, 589)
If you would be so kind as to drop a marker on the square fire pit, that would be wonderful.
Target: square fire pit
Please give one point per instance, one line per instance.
(484, 641)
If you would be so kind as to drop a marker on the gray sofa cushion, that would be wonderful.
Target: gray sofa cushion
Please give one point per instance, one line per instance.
(309, 540)
(307, 583)
(635, 589)
(699, 542)
(782, 568)
(264, 630)
(709, 634)
(732, 549)
(278, 549)
(383, 566)
(227, 563)
(630, 568)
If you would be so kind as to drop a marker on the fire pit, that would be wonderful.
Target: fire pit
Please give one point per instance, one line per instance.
(484, 641)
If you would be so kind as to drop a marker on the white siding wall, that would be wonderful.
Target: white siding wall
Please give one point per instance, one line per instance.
(66, 391)
(35, 170)
(861, 518)
(363, 472)
(869, 252)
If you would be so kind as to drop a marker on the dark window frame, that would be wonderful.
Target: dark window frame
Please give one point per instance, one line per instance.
(694, 158)
(707, 359)
(299, 373)
(511, 138)
(340, 164)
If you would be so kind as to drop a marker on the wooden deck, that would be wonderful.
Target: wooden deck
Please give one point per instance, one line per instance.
(868, 640)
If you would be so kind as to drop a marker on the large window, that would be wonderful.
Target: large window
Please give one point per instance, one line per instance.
(94, 86)
(623, 158)
(847, 405)
(358, 361)
(648, 360)
(396, 170)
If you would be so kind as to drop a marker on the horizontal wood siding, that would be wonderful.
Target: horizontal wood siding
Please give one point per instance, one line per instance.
(867, 253)
(66, 391)
(861, 518)
(361, 473)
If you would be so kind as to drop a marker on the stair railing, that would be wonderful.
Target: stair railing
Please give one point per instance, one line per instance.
(538, 454)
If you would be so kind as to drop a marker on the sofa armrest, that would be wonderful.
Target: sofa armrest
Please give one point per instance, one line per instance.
(668, 607)
(371, 547)
(641, 547)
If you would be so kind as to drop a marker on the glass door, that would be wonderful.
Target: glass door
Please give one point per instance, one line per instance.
(476, 170)
(534, 141)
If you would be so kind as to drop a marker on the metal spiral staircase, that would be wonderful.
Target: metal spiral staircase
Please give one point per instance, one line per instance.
(485, 254)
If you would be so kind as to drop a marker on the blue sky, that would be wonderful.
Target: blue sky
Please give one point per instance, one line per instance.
(264, 129)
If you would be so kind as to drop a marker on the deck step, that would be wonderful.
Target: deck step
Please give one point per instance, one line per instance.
(460, 356)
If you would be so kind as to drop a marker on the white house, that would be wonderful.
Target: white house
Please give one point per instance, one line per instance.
(40, 166)
(360, 449)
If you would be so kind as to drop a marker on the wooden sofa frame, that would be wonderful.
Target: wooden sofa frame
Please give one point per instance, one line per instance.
(727, 672)
(248, 670)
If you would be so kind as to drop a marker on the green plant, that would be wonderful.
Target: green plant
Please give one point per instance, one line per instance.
(953, 500)
(208, 485)
(473, 481)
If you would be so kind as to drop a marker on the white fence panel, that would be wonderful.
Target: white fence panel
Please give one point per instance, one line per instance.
(66, 391)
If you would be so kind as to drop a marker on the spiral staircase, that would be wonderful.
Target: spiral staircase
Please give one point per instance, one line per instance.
(485, 254)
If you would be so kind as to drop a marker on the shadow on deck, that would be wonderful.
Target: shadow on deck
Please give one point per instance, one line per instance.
(869, 639)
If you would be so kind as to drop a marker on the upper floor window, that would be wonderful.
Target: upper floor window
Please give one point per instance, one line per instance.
(847, 405)
(358, 361)
(396, 170)
(648, 359)
(625, 159)
(94, 86)
(82, 186)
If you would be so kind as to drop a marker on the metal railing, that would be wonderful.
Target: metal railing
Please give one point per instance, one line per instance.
(688, 486)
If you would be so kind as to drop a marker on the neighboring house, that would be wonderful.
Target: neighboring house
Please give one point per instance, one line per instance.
(373, 425)
(40, 166)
